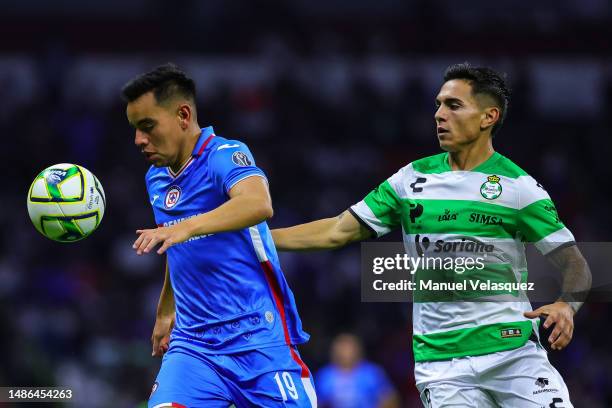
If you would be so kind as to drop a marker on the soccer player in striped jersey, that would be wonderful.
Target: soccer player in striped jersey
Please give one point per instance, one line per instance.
(227, 323)
(476, 354)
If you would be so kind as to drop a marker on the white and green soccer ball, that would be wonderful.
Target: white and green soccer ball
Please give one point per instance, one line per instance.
(66, 202)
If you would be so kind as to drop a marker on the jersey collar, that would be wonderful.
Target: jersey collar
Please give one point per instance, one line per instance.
(207, 134)
(482, 167)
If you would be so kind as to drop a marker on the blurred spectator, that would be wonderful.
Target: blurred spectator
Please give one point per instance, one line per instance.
(350, 381)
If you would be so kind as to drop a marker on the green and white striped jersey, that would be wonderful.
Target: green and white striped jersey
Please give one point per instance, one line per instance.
(496, 205)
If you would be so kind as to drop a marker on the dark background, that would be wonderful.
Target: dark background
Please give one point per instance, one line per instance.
(332, 97)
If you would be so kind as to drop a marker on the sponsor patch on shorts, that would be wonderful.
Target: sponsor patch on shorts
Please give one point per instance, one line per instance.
(506, 333)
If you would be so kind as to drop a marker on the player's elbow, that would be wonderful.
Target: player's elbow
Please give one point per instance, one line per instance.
(264, 211)
(337, 240)
(268, 212)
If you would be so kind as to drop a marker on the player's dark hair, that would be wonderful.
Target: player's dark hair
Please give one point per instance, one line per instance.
(166, 81)
(484, 81)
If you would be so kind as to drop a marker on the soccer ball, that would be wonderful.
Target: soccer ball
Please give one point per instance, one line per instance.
(66, 202)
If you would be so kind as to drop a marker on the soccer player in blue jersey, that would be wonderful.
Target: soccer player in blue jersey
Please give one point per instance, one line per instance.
(227, 323)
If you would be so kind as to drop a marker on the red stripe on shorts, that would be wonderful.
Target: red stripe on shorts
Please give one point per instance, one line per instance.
(278, 299)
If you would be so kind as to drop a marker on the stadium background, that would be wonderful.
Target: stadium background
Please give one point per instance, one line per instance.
(332, 97)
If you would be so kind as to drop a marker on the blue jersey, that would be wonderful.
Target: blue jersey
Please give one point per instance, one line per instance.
(365, 386)
(230, 292)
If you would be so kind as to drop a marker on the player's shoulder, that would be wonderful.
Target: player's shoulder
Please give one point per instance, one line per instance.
(505, 167)
(437, 163)
(220, 143)
(229, 152)
(417, 168)
(222, 147)
(425, 165)
(528, 188)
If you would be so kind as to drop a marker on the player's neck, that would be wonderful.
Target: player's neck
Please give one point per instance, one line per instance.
(187, 149)
(471, 156)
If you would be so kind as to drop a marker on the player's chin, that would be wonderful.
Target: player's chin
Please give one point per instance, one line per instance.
(446, 145)
(156, 161)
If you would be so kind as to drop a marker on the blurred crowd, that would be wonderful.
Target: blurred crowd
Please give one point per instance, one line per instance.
(326, 128)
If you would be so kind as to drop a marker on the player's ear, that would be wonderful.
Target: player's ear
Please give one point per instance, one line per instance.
(490, 116)
(184, 115)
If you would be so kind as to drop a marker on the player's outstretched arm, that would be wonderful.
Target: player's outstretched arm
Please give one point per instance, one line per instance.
(576, 285)
(164, 320)
(327, 233)
(249, 204)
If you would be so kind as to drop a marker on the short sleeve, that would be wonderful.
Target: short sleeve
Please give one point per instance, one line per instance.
(380, 210)
(230, 163)
(538, 219)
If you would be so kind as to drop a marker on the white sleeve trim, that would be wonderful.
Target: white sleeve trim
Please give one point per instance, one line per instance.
(246, 177)
(366, 215)
(554, 240)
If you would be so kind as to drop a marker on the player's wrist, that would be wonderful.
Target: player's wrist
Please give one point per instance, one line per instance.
(573, 300)
(575, 306)
(190, 227)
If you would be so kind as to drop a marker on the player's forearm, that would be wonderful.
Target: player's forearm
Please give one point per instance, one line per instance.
(577, 278)
(165, 306)
(237, 213)
(310, 236)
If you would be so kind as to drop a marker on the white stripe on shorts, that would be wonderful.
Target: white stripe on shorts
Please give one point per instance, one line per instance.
(310, 391)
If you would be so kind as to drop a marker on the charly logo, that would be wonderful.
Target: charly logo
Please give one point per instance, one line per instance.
(172, 196)
(556, 401)
(447, 216)
(491, 189)
(419, 180)
(241, 159)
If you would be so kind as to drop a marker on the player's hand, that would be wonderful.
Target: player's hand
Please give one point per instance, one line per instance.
(160, 339)
(561, 315)
(167, 236)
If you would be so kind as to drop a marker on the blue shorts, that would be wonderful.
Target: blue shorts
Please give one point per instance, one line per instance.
(267, 377)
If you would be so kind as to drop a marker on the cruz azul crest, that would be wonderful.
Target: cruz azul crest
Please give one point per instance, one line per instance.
(172, 196)
(491, 189)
